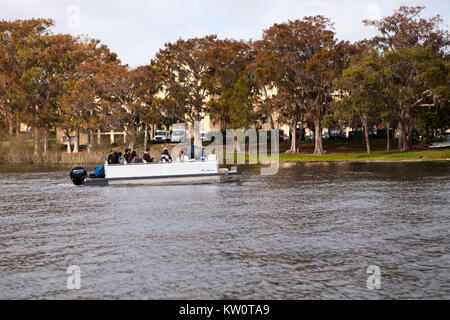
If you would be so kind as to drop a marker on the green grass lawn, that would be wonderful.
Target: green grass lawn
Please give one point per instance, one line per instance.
(354, 150)
(375, 156)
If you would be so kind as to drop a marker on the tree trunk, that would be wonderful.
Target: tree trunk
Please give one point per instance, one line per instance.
(37, 141)
(76, 142)
(45, 141)
(388, 141)
(295, 143)
(89, 145)
(17, 132)
(366, 134)
(153, 131)
(130, 134)
(69, 150)
(197, 137)
(10, 128)
(272, 124)
(409, 141)
(318, 148)
(131, 138)
(145, 136)
(402, 139)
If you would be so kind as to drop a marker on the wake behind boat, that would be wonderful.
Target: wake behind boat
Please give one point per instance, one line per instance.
(159, 173)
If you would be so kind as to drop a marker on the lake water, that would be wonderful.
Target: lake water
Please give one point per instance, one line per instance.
(309, 232)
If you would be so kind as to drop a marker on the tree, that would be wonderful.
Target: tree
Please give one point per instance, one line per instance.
(229, 84)
(302, 57)
(320, 71)
(274, 76)
(415, 75)
(47, 62)
(361, 90)
(280, 61)
(16, 38)
(400, 35)
(80, 106)
(146, 85)
(184, 66)
(405, 28)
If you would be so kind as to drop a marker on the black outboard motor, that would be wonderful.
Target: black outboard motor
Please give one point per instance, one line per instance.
(77, 175)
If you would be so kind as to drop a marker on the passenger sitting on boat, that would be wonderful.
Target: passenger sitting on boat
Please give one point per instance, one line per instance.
(147, 156)
(111, 157)
(202, 154)
(126, 155)
(119, 157)
(165, 156)
(133, 158)
(115, 159)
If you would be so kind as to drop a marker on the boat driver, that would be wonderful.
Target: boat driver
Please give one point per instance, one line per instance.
(202, 154)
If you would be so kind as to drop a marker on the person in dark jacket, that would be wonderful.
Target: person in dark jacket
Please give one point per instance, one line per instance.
(135, 158)
(147, 156)
(131, 156)
(115, 159)
(126, 154)
(111, 157)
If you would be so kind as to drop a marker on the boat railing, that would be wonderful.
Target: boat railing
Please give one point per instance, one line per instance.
(158, 162)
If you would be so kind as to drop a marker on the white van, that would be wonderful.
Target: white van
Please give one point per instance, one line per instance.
(161, 136)
(179, 136)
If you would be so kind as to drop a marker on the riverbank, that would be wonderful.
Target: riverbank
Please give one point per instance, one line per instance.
(20, 151)
(412, 156)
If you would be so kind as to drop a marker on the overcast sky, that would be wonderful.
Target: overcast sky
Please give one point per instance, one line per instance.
(135, 30)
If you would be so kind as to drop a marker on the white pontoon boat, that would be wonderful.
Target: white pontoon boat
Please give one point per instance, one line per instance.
(159, 173)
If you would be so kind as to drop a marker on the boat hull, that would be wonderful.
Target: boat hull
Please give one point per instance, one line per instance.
(229, 176)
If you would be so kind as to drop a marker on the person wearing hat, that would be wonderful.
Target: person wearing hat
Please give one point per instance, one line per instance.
(202, 154)
(165, 156)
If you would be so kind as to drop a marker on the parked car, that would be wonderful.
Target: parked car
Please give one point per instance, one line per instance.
(336, 134)
(179, 136)
(161, 136)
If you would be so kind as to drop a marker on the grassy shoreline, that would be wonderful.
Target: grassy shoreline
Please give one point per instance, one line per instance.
(337, 151)
(412, 156)
(84, 158)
